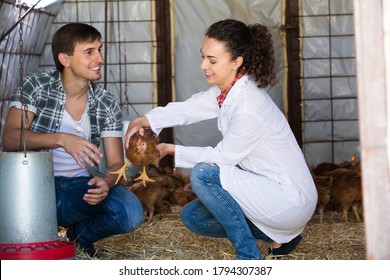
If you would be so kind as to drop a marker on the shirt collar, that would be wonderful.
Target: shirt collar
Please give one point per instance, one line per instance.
(221, 98)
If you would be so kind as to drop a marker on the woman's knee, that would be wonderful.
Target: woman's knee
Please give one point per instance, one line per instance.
(185, 215)
(188, 210)
(200, 170)
(198, 219)
(205, 180)
(203, 173)
(188, 215)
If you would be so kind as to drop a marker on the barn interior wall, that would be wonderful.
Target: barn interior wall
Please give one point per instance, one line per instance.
(329, 114)
(189, 78)
(28, 37)
(129, 48)
(330, 119)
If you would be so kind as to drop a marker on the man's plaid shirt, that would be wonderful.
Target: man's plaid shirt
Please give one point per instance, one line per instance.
(45, 97)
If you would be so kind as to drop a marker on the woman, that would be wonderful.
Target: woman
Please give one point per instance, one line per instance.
(255, 184)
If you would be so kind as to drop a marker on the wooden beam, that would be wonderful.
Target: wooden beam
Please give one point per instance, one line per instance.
(371, 85)
(291, 28)
(164, 68)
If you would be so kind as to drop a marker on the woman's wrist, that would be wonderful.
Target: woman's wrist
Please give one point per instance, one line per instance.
(172, 149)
(143, 121)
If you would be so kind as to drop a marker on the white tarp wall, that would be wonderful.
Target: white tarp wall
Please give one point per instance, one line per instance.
(130, 50)
(191, 19)
(34, 29)
(330, 125)
(129, 55)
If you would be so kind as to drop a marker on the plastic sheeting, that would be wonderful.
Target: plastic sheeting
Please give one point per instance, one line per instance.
(129, 52)
(330, 117)
(34, 32)
(328, 66)
(192, 18)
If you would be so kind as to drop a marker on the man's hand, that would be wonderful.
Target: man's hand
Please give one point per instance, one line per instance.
(81, 149)
(97, 194)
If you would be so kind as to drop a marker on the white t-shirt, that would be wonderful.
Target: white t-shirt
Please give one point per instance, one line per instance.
(64, 164)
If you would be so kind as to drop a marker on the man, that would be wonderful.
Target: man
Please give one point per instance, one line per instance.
(72, 116)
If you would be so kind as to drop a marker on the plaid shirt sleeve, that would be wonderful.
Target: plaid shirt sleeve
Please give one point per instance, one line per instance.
(108, 113)
(43, 97)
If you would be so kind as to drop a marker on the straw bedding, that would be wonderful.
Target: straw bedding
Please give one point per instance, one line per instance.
(165, 238)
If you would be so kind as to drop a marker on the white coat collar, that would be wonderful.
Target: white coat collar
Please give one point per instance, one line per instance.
(235, 90)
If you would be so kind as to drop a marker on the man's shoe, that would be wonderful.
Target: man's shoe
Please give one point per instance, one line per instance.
(87, 249)
(286, 248)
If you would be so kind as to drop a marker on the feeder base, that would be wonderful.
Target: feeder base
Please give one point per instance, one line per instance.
(49, 250)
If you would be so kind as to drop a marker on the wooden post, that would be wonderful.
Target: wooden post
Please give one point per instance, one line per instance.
(291, 28)
(373, 124)
(164, 68)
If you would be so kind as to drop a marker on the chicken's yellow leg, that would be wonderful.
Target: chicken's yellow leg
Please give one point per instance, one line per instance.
(121, 172)
(144, 177)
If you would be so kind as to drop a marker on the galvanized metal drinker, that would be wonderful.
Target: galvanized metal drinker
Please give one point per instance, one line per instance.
(28, 215)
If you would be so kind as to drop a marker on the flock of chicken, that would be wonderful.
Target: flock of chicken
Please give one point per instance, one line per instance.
(338, 185)
(339, 188)
(157, 189)
(165, 188)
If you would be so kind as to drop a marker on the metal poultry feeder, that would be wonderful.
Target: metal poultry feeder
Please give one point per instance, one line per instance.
(27, 198)
(28, 217)
(28, 214)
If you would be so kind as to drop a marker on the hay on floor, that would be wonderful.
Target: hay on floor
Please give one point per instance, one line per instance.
(165, 238)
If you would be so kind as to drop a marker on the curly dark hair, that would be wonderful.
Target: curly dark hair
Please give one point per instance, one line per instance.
(65, 39)
(253, 43)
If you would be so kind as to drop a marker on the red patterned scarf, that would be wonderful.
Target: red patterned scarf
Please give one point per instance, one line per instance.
(224, 93)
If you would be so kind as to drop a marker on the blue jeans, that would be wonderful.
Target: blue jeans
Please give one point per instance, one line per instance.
(216, 214)
(119, 212)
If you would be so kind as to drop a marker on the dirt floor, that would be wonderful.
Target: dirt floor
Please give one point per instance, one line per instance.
(165, 238)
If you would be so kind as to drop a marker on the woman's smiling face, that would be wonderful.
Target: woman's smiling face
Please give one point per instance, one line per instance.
(217, 63)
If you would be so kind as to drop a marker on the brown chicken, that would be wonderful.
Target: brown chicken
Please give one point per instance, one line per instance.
(347, 191)
(323, 167)
(352, 165)
(168, 188)
(152, 197)
(162, 207)
(343, 191)
(177, 183)
(324, 186)
(181, 196)
(141, 152)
